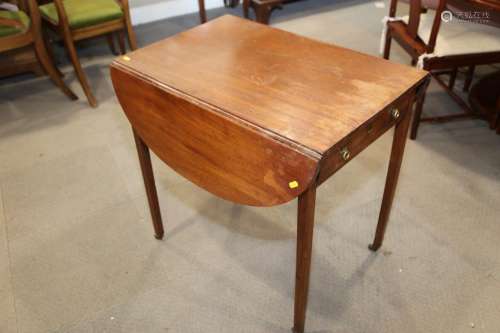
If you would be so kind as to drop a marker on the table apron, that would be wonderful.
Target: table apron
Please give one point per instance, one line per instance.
(362, 137)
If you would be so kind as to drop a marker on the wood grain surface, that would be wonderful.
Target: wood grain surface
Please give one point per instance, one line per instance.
(307, 92)
(231, 160)
(259, 116)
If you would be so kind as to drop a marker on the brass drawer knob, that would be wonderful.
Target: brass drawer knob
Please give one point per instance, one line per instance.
(395, 113)
(345, 154)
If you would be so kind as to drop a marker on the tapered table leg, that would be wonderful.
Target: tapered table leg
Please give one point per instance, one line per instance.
(418, 109)
(398, 147)
(305, 228)
(149, 184)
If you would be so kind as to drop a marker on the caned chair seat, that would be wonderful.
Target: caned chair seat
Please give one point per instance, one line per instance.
(84, 13)
(19, 16)
(459, 36)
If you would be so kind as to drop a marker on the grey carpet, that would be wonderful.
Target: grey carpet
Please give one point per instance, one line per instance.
(76, 246)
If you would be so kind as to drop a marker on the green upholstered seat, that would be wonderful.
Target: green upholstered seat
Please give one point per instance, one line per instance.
(19, 16)
(84, 13)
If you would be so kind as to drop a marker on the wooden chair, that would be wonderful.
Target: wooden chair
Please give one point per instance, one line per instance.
(262, 9)
(441, 48)
(22, 45)
(75, 20)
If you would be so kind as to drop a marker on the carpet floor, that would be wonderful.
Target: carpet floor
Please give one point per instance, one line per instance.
(77, 252)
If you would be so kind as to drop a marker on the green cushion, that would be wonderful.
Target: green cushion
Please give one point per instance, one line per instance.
(84, 13)
(20, 16)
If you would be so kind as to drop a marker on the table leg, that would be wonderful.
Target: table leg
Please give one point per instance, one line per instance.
(418, 109)
(305, 228)
(203, 12)
(398, 147)
(149, 184)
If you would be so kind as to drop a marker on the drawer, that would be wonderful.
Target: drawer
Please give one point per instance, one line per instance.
(362, 137)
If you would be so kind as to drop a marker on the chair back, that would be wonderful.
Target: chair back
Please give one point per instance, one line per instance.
(417, 7)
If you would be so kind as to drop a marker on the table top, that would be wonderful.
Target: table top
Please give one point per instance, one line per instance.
(303, 92)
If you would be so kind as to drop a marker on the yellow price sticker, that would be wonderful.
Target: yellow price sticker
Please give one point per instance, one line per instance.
(293, 184)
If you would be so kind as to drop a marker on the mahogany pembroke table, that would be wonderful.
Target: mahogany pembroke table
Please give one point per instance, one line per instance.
(260, 116)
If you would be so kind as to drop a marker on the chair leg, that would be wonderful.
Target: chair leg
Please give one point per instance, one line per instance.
(121, 42)
(468, 78)
(387, 46)
(202, 11)
(111, 43)
(498, 116)
(70, 47)
(132, 41)
(246, 5)
(262, 13)
(453, 77)
(52, 72)
(494, 120)
(131, 38)
(50, 52)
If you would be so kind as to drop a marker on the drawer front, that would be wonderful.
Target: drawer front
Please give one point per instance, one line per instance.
(362, 137)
